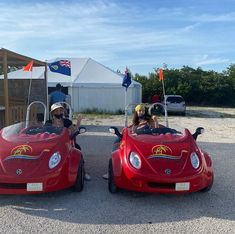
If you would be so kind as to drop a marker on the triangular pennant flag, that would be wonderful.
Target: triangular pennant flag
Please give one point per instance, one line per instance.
(29, 66)
(160, 74)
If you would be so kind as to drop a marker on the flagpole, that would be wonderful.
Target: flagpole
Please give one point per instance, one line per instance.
(71, 86)
(163, 89)
(30, 84)
(71, 100)
(126, 83)
(126, 107)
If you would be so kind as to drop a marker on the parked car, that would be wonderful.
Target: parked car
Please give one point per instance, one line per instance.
(175, 104)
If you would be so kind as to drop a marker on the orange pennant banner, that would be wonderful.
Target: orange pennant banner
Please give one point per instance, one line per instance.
(29, 66)
(160, 74)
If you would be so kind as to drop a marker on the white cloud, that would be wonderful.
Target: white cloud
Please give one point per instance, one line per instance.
(206, 60)
(116, 33)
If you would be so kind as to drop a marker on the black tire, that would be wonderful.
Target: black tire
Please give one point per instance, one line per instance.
(208, 188)
(79, 184)
(111, 183)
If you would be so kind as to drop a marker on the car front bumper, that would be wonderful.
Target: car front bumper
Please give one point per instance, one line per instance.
(173, 185)
(54, 181)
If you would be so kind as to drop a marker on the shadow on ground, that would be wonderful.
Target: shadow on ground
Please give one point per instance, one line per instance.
(95, 205)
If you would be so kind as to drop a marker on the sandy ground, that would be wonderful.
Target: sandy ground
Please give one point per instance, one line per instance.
(217, 128)
(95, 210)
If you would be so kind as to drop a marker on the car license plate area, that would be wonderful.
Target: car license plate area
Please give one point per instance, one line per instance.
(33, 187)
(185, 186)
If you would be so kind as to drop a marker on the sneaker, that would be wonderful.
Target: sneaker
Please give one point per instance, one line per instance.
(87, 177)
(105, 176)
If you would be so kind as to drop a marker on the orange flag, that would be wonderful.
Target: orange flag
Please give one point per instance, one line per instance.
(160, 74)
(29, 66)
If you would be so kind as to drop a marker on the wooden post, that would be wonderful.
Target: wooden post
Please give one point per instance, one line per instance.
(6, 93)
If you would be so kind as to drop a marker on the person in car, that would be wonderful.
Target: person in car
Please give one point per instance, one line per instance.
(58, 120)
(143, 121)
(140, 121)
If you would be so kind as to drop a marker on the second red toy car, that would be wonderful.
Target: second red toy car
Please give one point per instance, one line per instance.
(161, 160)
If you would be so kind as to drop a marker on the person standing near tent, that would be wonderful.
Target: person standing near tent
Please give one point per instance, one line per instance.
(57, 95)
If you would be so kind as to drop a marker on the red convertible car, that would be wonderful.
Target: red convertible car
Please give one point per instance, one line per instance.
(161, 160)
(38, 158)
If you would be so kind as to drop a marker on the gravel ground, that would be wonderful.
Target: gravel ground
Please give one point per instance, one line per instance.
(95, 210)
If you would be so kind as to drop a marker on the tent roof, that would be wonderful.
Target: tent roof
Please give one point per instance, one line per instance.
(84, 72)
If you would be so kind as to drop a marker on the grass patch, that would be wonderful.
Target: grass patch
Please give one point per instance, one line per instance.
(95, 113)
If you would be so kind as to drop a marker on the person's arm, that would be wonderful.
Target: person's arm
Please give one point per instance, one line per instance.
(154, 122)
(134, 128)
(72, 127)
(79, 119)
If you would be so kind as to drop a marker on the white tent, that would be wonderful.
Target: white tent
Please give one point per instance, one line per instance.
(92, 86)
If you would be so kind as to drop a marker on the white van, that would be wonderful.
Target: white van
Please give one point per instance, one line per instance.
(175, 104)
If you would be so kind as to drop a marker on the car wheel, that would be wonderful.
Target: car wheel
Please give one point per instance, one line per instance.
(79, 184)
(183, 113)
(208, 188)
(111, 183)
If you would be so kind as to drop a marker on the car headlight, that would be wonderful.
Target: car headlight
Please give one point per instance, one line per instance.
(135, 160)
(54, 160)
(195, 160)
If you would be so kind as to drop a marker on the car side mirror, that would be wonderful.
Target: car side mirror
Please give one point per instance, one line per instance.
(115, 131)
(82, 130)
(198, 132)
(78, 131)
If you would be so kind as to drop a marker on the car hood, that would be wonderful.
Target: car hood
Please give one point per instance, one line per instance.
(165, 153)
(29, 158)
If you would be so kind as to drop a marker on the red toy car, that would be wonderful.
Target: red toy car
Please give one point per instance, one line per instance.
(160, 160)
(38, 158)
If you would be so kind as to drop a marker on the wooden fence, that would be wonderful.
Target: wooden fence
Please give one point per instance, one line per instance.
(17, 111)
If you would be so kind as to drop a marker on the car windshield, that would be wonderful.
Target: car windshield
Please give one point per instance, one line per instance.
(158, 134)
(31, 132)
(157, 131)
(175, 99)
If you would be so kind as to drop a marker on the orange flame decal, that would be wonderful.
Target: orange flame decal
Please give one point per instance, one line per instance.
(21, 150)
(161, 150)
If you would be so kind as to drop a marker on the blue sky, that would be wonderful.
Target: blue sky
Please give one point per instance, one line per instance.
(139, 34)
